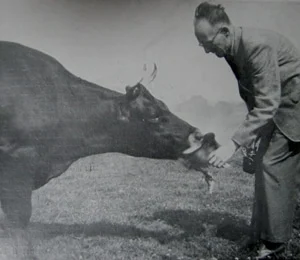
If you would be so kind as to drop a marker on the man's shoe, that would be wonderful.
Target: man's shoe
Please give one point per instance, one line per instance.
(248, 244)
(267, 253)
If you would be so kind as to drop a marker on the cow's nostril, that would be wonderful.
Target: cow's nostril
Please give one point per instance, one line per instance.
(198, 135)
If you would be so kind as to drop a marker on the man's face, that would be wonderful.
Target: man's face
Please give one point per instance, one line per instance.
(212, 38)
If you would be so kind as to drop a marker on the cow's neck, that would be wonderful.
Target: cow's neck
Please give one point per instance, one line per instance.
(95, 126)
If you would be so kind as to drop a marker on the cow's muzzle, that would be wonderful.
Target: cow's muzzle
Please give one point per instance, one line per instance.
(200, 148)
(196, 156)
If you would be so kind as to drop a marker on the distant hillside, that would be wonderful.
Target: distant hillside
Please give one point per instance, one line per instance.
(222, 118)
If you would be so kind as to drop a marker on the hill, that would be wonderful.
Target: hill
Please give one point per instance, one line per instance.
(222, 118)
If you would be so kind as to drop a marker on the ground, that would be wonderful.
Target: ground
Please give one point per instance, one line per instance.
(113, 207)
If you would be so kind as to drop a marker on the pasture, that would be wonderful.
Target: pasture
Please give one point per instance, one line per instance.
(113, 207)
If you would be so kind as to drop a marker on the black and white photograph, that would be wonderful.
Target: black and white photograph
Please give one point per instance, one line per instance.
(150, 130)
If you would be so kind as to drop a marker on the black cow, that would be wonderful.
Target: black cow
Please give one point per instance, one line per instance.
(50, 118)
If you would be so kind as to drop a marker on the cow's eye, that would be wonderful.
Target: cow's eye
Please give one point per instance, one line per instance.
(153, 120)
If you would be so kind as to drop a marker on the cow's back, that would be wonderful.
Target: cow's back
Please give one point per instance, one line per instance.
(21, 66)
(37, 93)
(30, 83)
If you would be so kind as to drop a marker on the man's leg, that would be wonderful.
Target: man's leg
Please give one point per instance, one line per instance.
(256, 220)
(277, 188)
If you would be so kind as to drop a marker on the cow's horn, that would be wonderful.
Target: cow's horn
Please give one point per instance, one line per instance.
(148, 78)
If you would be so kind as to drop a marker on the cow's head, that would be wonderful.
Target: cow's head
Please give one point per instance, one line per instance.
(154, 130)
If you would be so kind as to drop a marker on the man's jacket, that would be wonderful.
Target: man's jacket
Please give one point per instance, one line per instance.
(267, 67)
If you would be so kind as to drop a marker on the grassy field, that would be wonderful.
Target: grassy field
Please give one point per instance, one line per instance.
(113, 207)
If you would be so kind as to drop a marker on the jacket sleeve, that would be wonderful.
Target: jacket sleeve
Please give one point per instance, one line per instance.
(265, 79)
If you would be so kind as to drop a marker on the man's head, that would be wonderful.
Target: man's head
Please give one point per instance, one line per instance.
(213, 29)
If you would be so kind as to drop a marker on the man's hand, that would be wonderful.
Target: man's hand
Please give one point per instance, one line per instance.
(219, 157)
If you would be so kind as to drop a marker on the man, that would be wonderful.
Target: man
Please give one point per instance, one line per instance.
(267, 68)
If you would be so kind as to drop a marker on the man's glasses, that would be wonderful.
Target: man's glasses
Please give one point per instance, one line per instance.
(210, 42)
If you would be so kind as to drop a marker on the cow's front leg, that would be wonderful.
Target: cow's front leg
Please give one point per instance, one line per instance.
(15, 197)
(17, 245)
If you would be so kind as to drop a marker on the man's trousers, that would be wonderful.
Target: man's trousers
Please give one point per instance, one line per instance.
(277, 179)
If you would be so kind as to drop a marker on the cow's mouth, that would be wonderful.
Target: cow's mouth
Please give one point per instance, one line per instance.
(196, 156)
(197, 141)
(200, 148)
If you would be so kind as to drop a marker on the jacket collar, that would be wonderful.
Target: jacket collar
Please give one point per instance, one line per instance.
(236, 35)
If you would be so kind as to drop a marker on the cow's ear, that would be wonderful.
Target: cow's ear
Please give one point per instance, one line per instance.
(133, 92)
(124, 113)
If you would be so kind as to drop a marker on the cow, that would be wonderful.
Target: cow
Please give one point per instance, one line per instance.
(49, 118)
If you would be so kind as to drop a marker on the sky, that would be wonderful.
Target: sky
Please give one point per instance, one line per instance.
(108, 42)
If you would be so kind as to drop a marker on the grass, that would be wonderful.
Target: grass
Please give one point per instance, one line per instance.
(113, 207)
